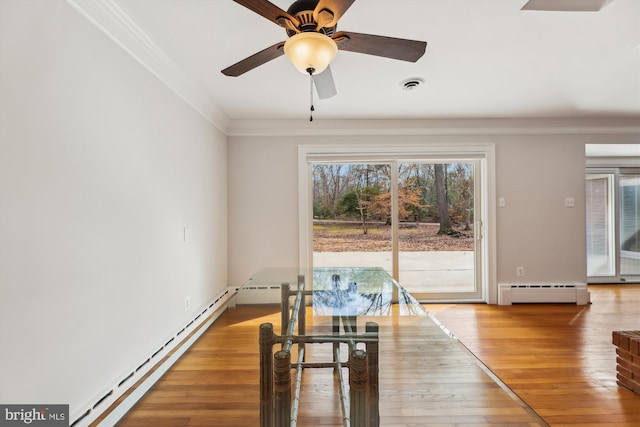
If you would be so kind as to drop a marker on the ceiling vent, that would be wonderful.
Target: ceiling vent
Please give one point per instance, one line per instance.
(412, 83)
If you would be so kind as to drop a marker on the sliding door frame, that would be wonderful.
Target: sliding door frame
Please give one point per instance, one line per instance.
(484, 153)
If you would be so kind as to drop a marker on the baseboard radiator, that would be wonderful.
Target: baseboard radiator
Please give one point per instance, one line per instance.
(264, 293)
(84, 416)
(511, 293)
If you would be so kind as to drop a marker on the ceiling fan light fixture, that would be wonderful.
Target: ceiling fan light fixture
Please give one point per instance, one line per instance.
(310, 50)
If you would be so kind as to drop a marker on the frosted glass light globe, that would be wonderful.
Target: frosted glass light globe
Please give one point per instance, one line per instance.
(310, 50)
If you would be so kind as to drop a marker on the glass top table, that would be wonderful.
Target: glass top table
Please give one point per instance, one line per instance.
(365, 311)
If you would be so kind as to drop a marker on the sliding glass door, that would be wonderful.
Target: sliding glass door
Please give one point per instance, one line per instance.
(613, 224)
(415, 219)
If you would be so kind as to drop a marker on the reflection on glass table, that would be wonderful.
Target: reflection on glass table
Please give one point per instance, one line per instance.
(347, 291)
(359, 292)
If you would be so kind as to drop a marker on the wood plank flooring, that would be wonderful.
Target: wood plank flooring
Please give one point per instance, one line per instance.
(426, 379)
(557, 358)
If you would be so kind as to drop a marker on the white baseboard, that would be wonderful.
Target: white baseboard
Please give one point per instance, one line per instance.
(200, 323)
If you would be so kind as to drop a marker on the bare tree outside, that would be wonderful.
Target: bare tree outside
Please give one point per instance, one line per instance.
(443, 203)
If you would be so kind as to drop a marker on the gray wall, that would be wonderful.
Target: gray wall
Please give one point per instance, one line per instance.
(101, 167)
(534, 173)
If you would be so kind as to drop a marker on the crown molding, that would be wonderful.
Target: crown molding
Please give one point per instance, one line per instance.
(437, 127)
(113, 21)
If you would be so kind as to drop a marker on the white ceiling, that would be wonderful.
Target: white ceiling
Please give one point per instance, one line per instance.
(484, 59)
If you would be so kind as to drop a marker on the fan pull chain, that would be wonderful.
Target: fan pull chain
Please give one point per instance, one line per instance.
(312, 109)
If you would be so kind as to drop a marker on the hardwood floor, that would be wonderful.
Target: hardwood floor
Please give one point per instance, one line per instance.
(557, 358)
(426, 379)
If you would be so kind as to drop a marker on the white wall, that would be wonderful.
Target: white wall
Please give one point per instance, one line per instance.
(101, 167)
(534, 173)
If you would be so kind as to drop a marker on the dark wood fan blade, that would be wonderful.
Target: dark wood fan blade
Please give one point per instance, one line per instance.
(324, 83)
(269, 10)
(255, 60)
(388, 47)
(337, 7)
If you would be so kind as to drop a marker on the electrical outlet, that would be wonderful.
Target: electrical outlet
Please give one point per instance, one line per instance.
(569, 202)
(187, 303)
(520, 271)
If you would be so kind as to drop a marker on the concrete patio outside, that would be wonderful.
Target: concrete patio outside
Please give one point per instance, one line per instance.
(420, 272)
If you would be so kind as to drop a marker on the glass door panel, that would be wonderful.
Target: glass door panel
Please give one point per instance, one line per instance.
(630, 224)
(352, 215)
(600, 225)
(436, 229)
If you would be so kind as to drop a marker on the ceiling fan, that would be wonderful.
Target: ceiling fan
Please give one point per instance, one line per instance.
(313, 41)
